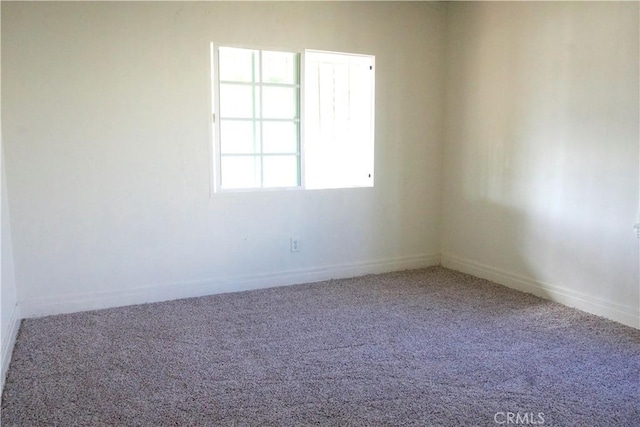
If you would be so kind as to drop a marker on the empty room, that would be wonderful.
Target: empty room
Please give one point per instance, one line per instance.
(320, 213)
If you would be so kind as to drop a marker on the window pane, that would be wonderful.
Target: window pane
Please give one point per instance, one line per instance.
(237, 137)
(279, 67)
(281, 171)
(339, 131)
(280, 137)
(237, 101)
(279, 102)
(240, 172)
(237, 65)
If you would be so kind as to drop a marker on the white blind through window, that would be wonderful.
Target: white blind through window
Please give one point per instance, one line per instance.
(339, 118)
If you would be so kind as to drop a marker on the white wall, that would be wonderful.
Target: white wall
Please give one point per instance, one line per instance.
(541, 154)
(107, 131)
(9, 312)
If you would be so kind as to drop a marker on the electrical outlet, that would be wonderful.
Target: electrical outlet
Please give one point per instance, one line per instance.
(637, 227)
(295, 244)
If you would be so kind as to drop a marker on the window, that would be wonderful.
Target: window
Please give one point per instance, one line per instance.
(259, 138)
(338, 120)
(259, 120)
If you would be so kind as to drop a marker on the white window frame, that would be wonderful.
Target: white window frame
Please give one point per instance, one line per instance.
(215, 142)
(216, 178)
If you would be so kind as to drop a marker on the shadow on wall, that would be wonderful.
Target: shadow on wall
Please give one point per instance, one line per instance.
(543, 144)
(501, 243)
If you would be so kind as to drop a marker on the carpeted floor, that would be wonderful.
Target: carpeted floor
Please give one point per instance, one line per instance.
(424, 347)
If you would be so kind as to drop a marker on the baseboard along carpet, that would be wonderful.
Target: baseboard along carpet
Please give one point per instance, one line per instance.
(422, 347)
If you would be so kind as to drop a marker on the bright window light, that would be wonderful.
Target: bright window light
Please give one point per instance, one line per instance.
(258, 130)
(339, 118)
(259, 142)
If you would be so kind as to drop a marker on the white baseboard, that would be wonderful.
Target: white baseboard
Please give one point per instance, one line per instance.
(122, 297)
(626, 315)
(98, 300)
(8, 342)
